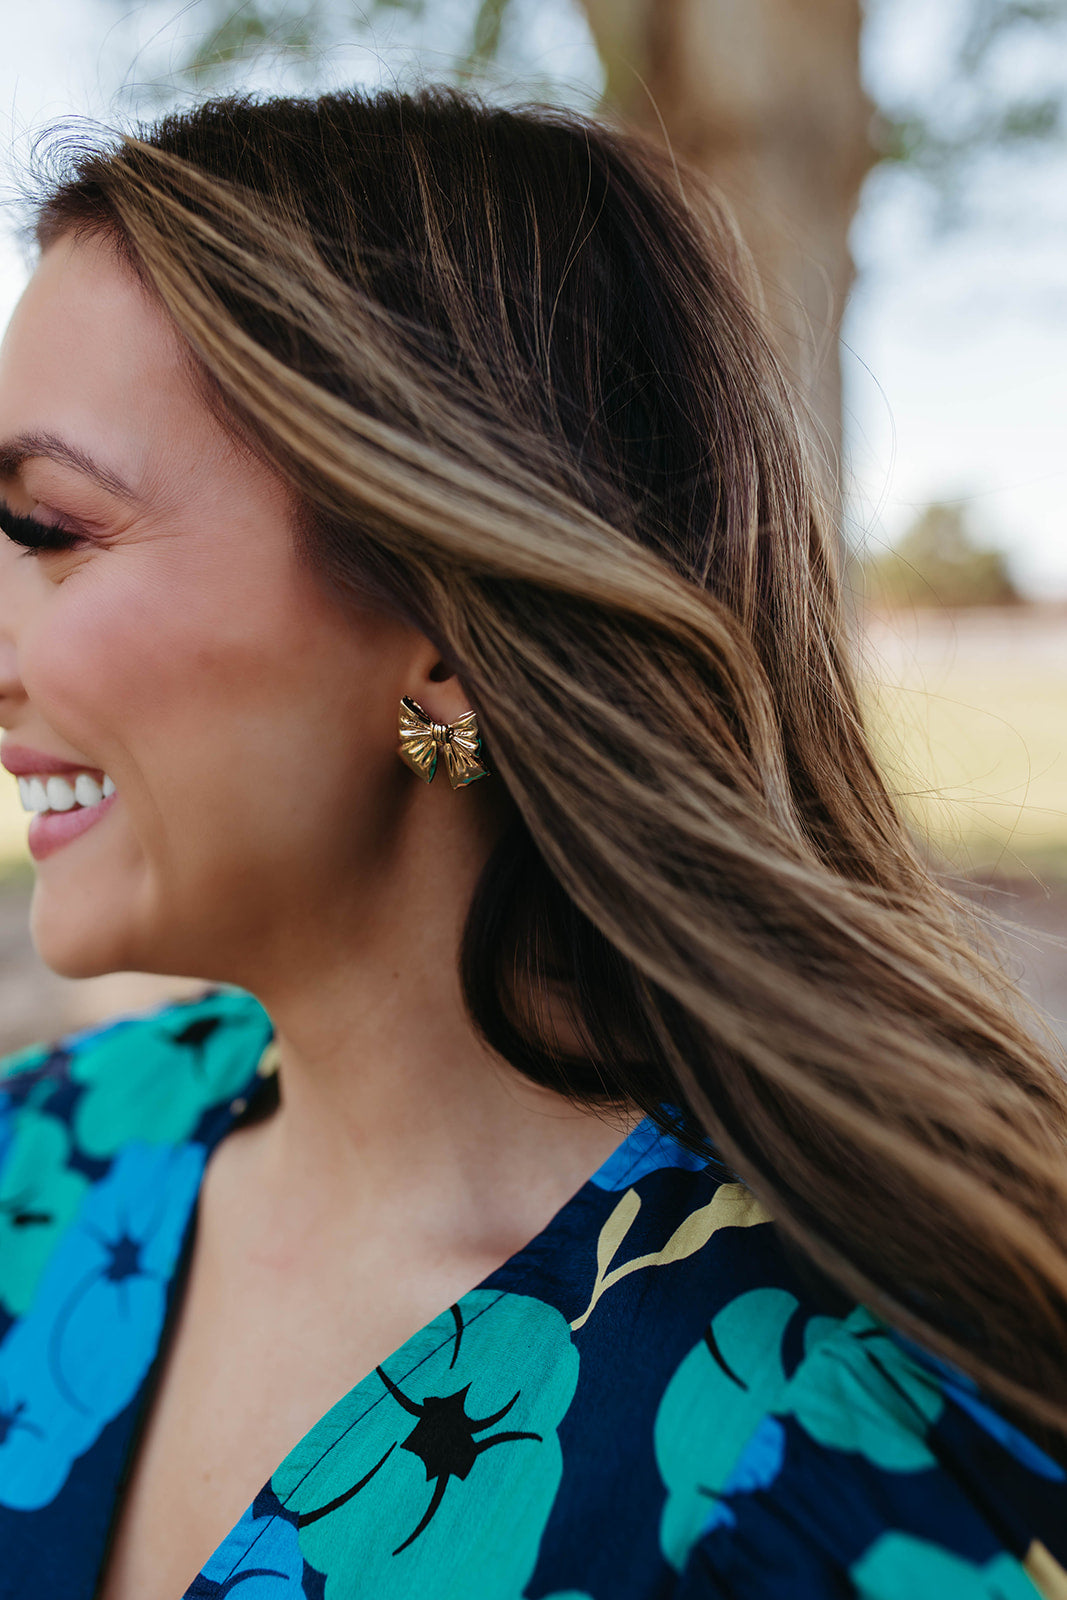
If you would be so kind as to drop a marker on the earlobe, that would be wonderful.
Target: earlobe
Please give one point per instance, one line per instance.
(422, 740)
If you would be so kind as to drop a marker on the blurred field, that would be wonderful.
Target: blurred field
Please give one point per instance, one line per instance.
(13, 856)
(969, 711)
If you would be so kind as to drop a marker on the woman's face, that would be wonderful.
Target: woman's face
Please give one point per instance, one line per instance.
(182, 649)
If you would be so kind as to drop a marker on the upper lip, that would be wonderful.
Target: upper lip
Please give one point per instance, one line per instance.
(24, 763)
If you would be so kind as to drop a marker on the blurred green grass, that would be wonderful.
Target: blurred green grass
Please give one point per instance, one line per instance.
(980, 764)
(969, 717)
(968, 714)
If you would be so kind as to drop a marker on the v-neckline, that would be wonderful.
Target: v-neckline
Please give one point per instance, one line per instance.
(516, 1274)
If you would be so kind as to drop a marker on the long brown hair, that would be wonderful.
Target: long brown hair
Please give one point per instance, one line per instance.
(510, 364)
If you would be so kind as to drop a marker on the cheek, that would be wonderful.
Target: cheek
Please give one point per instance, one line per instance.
(86, 660)
(127, 626)
(172, 668)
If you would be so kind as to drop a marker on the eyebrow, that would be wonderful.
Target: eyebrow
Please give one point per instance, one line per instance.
(14, 453)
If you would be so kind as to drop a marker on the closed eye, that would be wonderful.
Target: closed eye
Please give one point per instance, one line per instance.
(36, 536)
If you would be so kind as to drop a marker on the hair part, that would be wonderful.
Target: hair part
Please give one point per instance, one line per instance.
(513, 369)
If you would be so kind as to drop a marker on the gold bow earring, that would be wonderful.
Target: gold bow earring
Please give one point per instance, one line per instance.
(422, 740)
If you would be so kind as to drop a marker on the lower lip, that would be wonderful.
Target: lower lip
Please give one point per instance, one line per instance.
(51, 830)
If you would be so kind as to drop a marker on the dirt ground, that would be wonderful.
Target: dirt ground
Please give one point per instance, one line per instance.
(35, 1004)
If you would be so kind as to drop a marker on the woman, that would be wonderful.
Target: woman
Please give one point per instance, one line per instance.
(417, 614)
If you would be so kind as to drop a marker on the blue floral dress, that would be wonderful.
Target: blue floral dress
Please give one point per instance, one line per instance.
(644, 1402)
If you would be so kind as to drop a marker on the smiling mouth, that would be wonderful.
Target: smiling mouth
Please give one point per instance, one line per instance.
(59, 823)
(49, 795)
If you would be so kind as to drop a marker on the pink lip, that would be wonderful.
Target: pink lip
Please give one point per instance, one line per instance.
(51, 830)
(22, 762)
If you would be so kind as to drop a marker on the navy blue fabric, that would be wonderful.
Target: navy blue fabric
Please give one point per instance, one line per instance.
(647, 1401)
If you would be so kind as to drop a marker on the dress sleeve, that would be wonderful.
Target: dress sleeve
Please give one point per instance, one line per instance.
(157, 1079)
(884, 1476)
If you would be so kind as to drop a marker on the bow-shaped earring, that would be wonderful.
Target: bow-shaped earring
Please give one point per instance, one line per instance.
(422, 740)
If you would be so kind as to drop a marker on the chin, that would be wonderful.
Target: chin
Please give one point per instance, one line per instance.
(74, 940)
(73, 958)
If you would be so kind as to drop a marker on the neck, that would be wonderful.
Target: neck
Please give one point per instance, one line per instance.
(392, 1106)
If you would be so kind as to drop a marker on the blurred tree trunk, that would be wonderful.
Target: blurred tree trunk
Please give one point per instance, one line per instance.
(764, 97)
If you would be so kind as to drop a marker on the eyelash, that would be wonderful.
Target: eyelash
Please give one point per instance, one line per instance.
(38, 537)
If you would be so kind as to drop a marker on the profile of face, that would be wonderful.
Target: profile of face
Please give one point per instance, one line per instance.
(182, 648)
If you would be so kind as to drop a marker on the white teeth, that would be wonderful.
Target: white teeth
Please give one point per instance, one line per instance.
(60, 795)
(87, 791)
(38, 795)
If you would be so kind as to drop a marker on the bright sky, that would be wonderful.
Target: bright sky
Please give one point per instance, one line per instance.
(956, 346)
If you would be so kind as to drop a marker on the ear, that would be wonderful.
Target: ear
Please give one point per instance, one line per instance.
(432, 682)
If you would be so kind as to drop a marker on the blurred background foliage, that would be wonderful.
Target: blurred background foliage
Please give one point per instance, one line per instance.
(940, 561)
(979, 107)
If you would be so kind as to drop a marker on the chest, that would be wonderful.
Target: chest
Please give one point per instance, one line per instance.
(240, 1381)
(260, 1349)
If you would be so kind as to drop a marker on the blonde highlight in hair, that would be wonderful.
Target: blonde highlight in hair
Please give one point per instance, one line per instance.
(517, 382)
